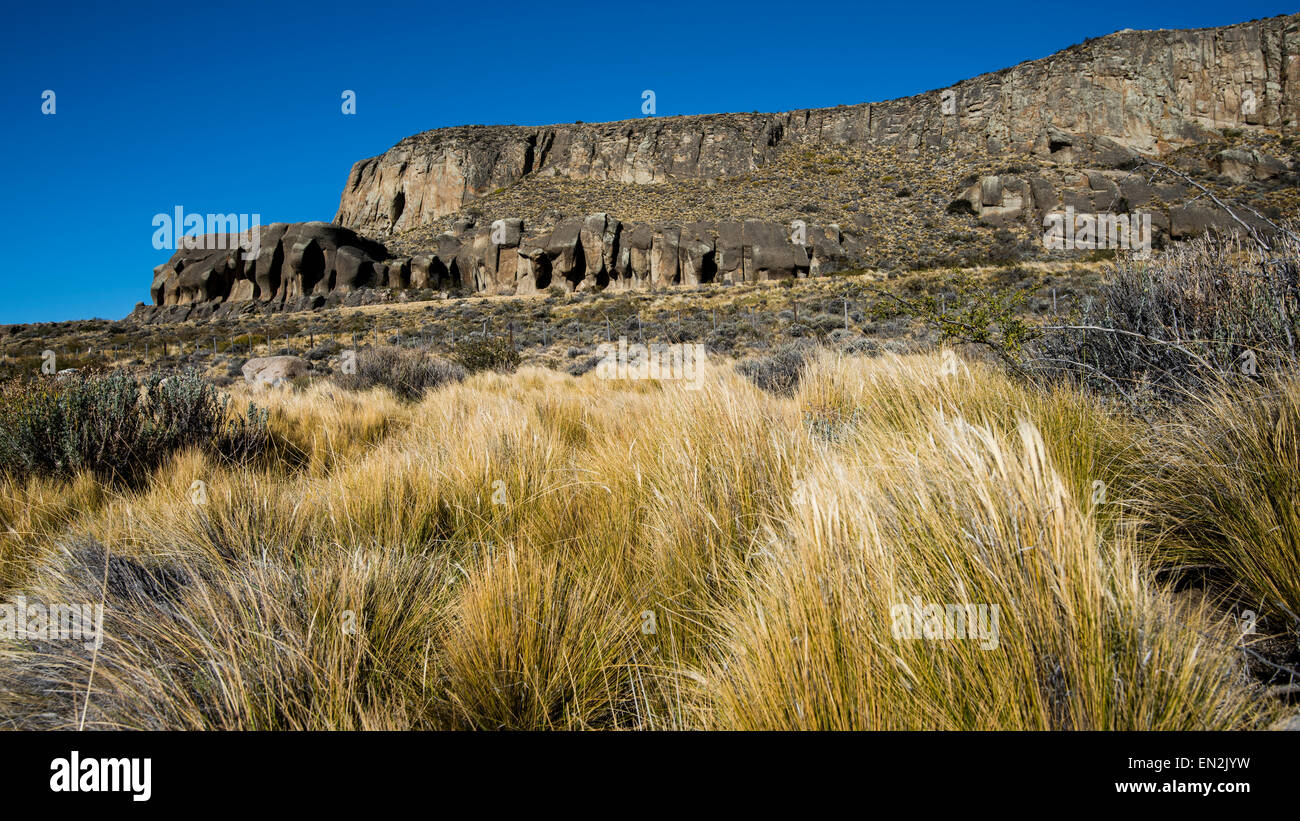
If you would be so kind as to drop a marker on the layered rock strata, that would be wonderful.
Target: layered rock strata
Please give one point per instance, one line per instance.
(1142, 91)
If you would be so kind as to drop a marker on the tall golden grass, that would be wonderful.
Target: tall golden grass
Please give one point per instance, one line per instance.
(536, 551)
(1220, 486)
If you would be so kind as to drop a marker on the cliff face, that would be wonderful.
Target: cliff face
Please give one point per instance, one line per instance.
(953, 177)
(1148, 92)
(310, 265)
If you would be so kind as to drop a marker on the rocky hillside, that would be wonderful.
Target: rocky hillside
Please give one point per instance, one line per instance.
(955, 176)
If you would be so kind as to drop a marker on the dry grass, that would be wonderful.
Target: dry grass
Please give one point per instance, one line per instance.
(1221, 488)
(538, 551)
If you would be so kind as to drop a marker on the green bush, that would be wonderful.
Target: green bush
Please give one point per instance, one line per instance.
(116, 426)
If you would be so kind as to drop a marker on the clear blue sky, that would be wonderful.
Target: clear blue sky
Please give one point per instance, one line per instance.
(235, 107)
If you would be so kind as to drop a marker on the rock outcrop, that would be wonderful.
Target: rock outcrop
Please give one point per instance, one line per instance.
(315, 264)
(283, 264)
(1146, 92)
(493, 209)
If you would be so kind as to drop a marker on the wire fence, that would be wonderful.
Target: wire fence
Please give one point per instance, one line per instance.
(817, 318)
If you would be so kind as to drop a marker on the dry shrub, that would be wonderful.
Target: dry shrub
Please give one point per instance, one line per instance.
(1183, 320)
(408, 373)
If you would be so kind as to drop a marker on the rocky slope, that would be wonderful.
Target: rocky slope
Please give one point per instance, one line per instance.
(954, 176)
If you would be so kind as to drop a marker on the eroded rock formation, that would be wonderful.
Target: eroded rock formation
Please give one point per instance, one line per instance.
(1146, 92)
(286, 263)
(314, 264)
(1057, 133)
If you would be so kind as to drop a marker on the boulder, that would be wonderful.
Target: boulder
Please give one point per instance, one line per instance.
(1193, 220)
(422, 271)
(827, 253)
(990, 190)
(770, 255)
(1242, 166)
(477, 260)
(354, 269)
(270, 262)
(448, 253)
(1135, 192)
(1044, 195)
(508, 232)
(274, 370)
(399, 273)
(532, 268)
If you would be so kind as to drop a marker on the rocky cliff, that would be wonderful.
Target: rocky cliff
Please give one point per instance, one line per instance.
(1149, 92)
(310, 265)
(951, 177)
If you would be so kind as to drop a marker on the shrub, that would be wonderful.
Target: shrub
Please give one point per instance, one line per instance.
(407, 373)
(1184, 320)
(778, 373)
(580, 366)
(494, 354)
(324, 350)
(116, 426)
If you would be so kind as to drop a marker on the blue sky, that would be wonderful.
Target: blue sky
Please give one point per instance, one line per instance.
(235, 107)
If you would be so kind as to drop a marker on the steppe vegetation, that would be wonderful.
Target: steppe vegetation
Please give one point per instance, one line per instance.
(454, 538)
